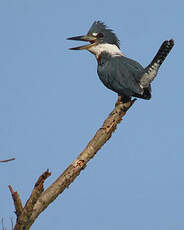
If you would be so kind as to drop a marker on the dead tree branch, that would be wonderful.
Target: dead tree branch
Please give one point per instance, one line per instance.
(4, 161)
(23, 214)
(17, 201)
(40, 201)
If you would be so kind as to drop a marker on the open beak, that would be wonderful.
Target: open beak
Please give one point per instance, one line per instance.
(85, 38)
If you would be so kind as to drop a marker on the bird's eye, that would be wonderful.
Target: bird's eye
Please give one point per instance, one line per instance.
(100, 35)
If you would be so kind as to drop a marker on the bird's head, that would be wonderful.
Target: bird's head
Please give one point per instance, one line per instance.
(100, 38)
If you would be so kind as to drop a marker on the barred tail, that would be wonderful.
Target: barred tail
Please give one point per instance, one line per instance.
(152, 68)
(163, 52)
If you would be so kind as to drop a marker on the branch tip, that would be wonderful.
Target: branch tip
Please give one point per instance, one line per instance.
(11, 189)
(4, 161)
(42, 178)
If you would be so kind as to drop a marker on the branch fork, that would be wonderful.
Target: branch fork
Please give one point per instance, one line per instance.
(39, 199)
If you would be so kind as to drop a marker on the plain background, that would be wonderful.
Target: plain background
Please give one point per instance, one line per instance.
(52, 102)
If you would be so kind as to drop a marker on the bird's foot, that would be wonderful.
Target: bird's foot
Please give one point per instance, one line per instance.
(122, 99)
(119, 100)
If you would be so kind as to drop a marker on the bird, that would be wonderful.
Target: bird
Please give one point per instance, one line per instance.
(117, 72)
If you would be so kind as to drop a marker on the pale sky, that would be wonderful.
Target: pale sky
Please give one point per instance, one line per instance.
(52, 102)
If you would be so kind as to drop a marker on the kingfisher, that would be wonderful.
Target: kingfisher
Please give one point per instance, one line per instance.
(119, 73)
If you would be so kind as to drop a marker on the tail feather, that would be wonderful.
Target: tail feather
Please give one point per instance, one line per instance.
(152, 69)
(163, 52)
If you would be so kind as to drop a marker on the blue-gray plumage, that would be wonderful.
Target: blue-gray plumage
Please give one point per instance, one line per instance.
(117, 72)
(125, 82)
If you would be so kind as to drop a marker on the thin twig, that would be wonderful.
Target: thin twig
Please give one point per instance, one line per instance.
(4, 161)
(2, 224)
(11, 219)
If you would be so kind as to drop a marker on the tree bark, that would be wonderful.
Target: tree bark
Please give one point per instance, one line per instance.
(68, 176)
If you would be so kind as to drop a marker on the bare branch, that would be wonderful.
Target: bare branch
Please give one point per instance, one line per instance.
(17, 201)
(40, 199)
(4, 161)
(23, 217)
(2, 224)
(68, 176)
(11, 219)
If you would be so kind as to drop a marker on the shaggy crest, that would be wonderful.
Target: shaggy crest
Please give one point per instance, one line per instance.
(109, 36)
